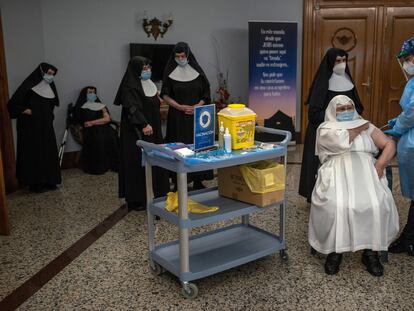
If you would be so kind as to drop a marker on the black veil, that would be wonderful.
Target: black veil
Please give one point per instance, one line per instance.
(182, 47)
(19, 96)
(131, 77)
(320, 84)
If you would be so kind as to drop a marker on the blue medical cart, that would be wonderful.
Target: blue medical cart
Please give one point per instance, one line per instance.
(198, 256)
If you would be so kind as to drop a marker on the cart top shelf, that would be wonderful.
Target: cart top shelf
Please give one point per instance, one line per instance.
(162, 156)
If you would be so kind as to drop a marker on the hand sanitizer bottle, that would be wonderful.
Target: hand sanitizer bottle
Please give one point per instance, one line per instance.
(227, 141)
(221, 133)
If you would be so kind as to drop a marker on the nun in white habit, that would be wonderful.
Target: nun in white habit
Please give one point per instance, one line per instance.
(352, 207)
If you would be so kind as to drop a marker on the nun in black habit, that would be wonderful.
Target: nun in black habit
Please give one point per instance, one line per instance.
(185, 86)
(37, 154)
(332, 78)
(140, 119)
(100, 140)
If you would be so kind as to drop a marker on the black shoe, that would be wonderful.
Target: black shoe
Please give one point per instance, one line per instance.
(332, 263)
(401, 245)
(371, 261)
(37, 188)
(51, 187)
(135, 206)
(198, 185)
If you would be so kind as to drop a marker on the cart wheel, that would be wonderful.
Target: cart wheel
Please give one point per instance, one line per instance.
(155, 268)
(190, 290)
(313, 251)
(283, 255)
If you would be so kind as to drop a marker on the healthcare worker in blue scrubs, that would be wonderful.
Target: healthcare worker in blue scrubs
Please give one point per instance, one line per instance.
(402, 127)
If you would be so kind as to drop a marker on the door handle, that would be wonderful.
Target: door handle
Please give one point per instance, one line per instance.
(367, 84)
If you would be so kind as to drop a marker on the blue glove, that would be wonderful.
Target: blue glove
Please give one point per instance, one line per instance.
(393, 133)
(391, 123)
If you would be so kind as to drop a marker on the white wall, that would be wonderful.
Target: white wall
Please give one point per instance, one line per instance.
(88, 40)
(23, 40)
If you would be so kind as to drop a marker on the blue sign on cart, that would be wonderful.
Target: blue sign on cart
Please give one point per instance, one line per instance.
(204, 125)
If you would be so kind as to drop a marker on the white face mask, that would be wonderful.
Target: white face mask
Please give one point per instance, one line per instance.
(408, 67)
(339, 69)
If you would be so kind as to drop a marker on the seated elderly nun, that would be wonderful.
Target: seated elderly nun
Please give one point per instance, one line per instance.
(352, 207)
(100, 141)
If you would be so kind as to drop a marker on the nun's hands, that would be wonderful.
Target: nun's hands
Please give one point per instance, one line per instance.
(187, 109)
(379, 167)
(88, 124)
(356, 131)
(27, 112)
(147, 131)
(190, 110)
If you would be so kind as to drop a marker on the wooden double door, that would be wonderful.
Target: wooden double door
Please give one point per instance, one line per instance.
(372, 33)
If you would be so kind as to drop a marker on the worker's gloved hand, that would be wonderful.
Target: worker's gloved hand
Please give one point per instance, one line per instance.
(391, 123)
(393, 132)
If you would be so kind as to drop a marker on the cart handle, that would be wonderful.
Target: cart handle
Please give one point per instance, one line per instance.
(287, 134)
(148, 147)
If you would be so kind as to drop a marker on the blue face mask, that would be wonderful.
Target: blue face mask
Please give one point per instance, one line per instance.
(91, 97)
(145, 75)
(181, 62)
(345, 116)
(48, 78)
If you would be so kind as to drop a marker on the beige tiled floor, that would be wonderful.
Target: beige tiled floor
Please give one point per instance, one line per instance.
(113, 273)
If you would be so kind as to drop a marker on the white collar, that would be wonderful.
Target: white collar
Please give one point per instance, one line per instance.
(93, 106)
(43, 89)
(340, 83)
(149, 87)
(184, 73)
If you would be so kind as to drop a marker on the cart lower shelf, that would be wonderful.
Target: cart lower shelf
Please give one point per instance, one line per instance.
(218, 250)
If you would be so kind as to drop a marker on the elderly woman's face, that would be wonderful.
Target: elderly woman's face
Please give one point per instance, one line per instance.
(345, 112)
(345, 108)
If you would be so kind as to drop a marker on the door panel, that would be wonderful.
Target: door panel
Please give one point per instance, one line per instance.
(399, 27)
(351, 29)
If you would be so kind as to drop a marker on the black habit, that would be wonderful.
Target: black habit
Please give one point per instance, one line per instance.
(37, 153)
(138, 111)
(100, 142)
(180, 126)
(318, 100)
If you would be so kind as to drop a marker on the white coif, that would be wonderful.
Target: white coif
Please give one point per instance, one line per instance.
(340, 83)
(43, 89)
(149, 87)
(184, 73)
(93, 106)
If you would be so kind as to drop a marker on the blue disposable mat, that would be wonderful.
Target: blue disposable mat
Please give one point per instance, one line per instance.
(219, 155)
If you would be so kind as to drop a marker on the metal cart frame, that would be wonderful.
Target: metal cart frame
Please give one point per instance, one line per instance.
(201, 255)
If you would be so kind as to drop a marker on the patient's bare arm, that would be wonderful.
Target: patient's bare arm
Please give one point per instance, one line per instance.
(387, 145)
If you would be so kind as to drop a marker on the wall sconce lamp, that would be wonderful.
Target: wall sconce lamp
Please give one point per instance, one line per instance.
(155, 27)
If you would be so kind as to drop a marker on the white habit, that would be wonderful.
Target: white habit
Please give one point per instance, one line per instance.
(352, 209)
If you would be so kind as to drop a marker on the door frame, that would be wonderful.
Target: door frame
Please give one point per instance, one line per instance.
(6, 132)
(4, 221)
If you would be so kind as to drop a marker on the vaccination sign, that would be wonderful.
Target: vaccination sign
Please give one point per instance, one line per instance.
(272, 68)
(204, 123)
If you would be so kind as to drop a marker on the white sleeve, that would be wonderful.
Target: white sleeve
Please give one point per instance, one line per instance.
(331, 142)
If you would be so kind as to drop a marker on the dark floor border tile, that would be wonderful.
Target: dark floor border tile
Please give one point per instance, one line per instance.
(37, 281)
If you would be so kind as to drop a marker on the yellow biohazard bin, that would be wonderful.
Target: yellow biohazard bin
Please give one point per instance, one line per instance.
(241, 122)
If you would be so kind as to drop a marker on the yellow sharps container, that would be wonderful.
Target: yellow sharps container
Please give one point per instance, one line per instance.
(241, 122)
